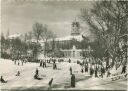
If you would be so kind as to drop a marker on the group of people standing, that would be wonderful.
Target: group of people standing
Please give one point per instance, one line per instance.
(94, 67)
(19, 61)
(43, 63)
(97, 67)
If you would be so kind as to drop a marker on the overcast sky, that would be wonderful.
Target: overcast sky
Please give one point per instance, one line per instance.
(19, 16)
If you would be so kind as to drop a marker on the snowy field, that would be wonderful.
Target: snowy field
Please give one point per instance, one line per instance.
(61, 77)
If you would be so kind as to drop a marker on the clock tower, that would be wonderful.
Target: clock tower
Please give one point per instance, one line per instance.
(75, 28)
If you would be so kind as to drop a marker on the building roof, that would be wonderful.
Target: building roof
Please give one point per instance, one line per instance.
(14, 36)
(77, 37)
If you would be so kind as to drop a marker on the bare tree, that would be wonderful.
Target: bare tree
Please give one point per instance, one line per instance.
(37, 31)
(2, 41)
(108, 21)
(41, 31)
(47, 34)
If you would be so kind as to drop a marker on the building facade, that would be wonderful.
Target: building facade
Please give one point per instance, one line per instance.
(70, 45)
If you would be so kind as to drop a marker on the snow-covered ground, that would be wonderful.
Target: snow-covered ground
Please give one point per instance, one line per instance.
(61, 77)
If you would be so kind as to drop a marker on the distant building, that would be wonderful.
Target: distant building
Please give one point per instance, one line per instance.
(14, 36)
(69, 45)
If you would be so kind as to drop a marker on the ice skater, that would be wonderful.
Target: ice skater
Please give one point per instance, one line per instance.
(2, 80)
(82, 70)
(124, 69)
(36, 76)
(102, 71)
(40, 62)
(86, 68)
(18, 73)
(69, 60)
(73, 80)
(96, 72)
(108, 73)
(50, 82)
(70, 70)
(54, 66)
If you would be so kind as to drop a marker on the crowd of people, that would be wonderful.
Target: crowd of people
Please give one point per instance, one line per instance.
(43, 62)
(97, 68)
(93, 66)
(20, 61)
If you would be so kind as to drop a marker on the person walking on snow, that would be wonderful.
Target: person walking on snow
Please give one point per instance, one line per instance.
(70, 70)
(73, 80)
(2, 80)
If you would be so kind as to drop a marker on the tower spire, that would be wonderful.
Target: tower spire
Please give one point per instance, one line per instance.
(75, 27)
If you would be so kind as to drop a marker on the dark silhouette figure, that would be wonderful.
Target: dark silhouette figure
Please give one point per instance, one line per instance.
(91, 71)
(55, 66)
(125, 75)
(40, 63)
(50, 82)
(123, 69)
(96, 72)
(36, 76)
(37, 71)
(86, 68)
(108, 73)
(43, 64)
(70, 70)
(18, 63)
(102, 71)
(69, 60)
(82, 70)
(2, 80)
(73, 80)
(18, 73)
(49, 60)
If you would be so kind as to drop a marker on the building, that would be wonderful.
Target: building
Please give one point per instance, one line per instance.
(69, 45)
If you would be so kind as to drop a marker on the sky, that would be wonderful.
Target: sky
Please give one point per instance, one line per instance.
(18, 16)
